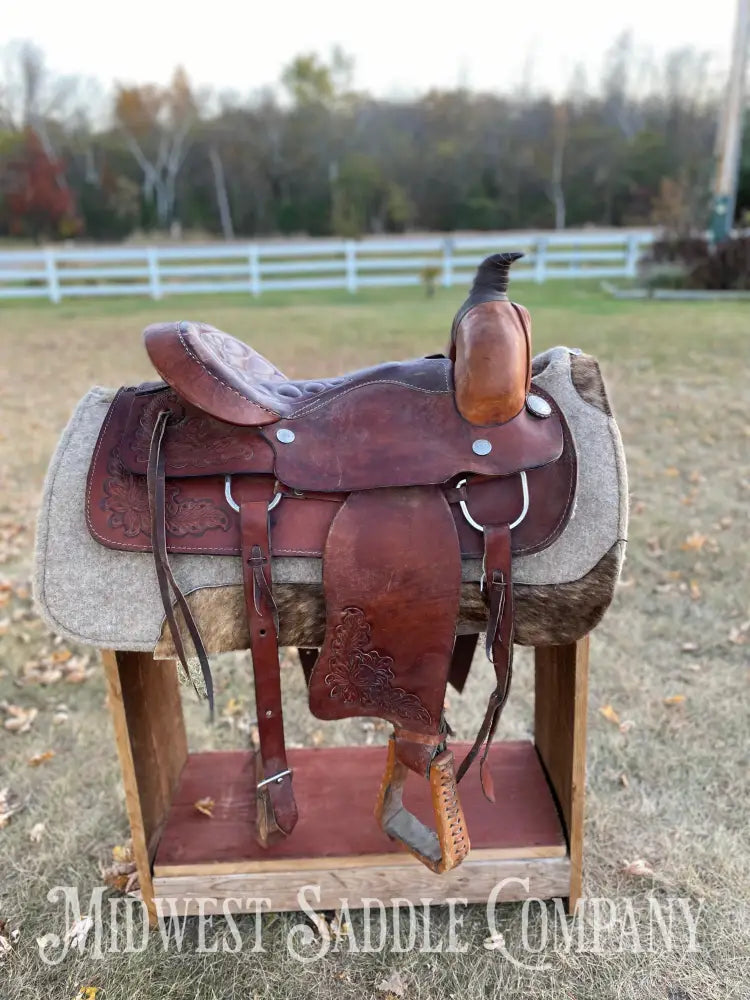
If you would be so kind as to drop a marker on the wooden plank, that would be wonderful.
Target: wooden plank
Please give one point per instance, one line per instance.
(561, 702)
(144, 702)
(336, 789)
(351, 861)
(474, 881)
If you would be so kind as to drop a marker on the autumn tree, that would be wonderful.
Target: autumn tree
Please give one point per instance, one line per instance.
(37, 203)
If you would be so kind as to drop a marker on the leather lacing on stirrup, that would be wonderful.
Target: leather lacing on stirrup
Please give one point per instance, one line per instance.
(156, 482)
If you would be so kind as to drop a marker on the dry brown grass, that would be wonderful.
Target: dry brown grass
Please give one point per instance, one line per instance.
(672, 789)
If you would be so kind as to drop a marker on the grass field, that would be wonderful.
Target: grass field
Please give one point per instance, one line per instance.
(667, 786)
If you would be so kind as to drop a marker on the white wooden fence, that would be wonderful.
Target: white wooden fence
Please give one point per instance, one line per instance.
(254, 268)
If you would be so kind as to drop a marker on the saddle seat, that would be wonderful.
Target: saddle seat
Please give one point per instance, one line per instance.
(230, 381)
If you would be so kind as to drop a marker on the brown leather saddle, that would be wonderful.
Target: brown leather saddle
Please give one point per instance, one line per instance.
(392, 475)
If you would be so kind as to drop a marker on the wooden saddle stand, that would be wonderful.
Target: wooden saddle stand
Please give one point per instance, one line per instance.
(391, 475)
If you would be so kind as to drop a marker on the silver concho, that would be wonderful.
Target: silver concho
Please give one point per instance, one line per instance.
(481, 447)
(285, 435)
(537, 406)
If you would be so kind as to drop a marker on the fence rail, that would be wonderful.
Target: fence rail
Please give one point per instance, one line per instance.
(254, 268)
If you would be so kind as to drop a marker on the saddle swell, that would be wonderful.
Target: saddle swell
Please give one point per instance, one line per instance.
(391, 474)
(490, 348)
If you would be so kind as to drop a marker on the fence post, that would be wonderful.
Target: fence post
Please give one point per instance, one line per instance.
(254, 261)
(53, 281)
(631, 256)
(447, 262)
(153, 272)
(351, 266)
(540, 260)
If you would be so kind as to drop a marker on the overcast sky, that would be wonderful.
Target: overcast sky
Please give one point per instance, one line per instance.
(400, 47)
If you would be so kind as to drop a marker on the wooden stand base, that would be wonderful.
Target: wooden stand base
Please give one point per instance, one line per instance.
(531, 840)
(337, 844)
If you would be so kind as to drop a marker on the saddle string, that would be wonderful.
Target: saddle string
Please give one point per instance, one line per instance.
(257, 561)
(156, 486)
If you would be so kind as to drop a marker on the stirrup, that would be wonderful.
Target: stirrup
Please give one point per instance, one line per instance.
(441, 849)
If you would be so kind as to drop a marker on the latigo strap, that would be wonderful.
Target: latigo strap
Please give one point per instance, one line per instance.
(277, 810)
(499, 646)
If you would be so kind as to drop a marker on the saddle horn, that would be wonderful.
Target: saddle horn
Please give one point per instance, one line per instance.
(491, 347)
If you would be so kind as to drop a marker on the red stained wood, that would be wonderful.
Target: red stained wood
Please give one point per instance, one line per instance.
(336, 790)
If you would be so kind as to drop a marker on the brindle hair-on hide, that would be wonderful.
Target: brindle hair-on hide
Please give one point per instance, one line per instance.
(546, 614)
(587, 378)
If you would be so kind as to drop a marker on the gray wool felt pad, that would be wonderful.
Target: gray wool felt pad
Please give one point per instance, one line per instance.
(107, 598)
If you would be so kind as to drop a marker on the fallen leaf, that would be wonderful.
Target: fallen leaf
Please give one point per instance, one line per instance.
(122, 853)
(740, 634)
(36, 833)
(674, 699)
(21, 719)
(87, 993)
(393, 984)
(672, 472)
(494, 942)
(77, 934)
(205, 806)
(233, 707)
(694, 542)
(41, 758)
(320, 924)
(10, 804)
(61, 655)
(610, 714)
(639, 867)
(118, 876)
(695, 590)
(339, 926)
(318, 738)
(626, 725)
(624, 780)
(654, 547)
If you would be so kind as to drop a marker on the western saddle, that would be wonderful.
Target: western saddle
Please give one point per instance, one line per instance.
(391, 474)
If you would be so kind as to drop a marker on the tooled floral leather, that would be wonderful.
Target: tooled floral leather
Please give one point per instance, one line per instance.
(126, 502)
(192, 439)
(362, 676)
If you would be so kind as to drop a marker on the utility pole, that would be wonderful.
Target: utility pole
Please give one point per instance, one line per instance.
(729, 140)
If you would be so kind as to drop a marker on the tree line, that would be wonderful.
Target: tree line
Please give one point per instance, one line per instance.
(315, 155)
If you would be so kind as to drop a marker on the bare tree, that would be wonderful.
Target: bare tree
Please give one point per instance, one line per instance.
(156, 124)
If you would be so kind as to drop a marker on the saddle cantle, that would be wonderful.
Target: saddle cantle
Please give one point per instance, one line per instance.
(391, 474)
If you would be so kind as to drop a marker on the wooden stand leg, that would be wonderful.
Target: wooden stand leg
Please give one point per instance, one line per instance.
(144, 700)
(561, 700)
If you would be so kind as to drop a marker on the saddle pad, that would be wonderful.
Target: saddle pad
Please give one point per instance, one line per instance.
(112, 600)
